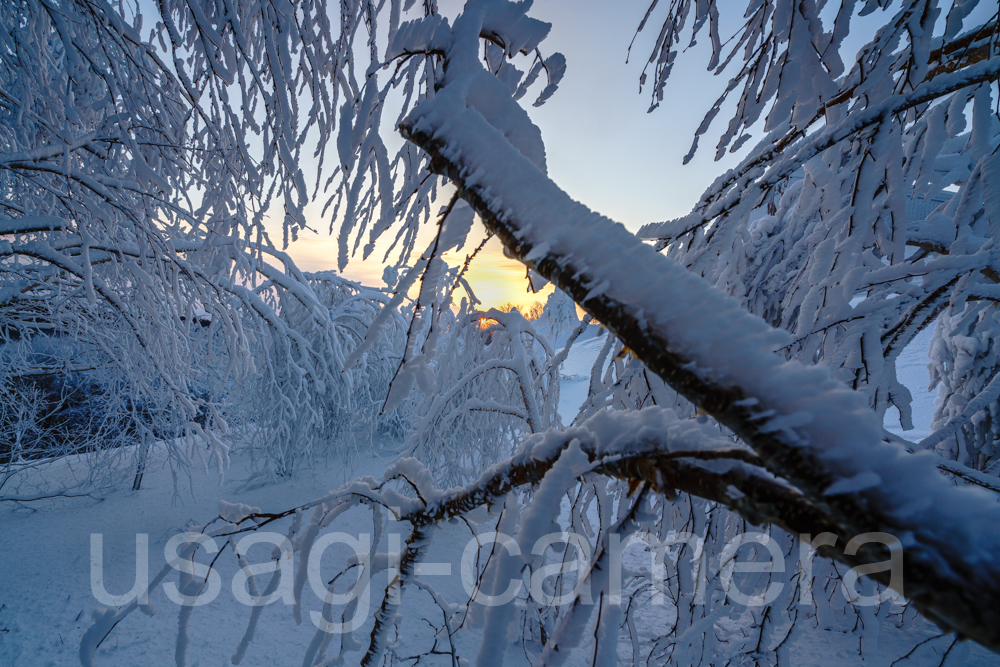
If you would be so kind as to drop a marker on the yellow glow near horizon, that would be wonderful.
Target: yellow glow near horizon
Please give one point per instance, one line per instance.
(494, 278)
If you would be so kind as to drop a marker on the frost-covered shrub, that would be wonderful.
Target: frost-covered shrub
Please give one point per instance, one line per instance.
(301, 407)
(965, 364)
(857, 247)
(495, 380)
(68, 392)
(135, 195)
(558, 318)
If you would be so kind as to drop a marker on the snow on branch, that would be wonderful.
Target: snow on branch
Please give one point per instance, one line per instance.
(652, 448)
(807, 427)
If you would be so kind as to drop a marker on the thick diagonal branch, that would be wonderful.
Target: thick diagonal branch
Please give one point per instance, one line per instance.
(806, 427)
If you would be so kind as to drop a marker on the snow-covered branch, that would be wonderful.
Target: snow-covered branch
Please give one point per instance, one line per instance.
(808, 428)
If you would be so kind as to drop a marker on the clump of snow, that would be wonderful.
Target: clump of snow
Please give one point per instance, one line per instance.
(236, 512)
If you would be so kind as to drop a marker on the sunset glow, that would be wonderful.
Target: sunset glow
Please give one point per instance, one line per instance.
(494, 278)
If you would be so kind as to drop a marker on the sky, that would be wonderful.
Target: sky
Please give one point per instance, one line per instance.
(602, 146)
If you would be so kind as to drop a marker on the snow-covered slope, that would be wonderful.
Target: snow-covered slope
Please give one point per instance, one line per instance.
(911, 368)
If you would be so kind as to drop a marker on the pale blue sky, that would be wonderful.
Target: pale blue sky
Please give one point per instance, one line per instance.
(602, 146)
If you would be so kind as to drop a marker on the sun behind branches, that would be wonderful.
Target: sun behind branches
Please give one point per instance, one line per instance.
(533, 312)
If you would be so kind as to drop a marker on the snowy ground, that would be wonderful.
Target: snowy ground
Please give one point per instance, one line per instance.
(45, 581)
(45, 577)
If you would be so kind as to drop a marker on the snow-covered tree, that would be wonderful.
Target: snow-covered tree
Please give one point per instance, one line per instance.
(795, 365)
(830, 208)
(134, 261)
(558, 317)
(496, 380)
(808, 427)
